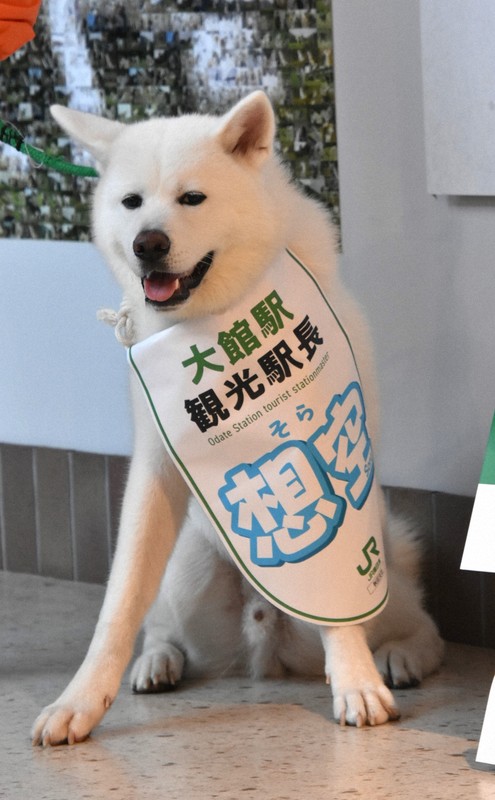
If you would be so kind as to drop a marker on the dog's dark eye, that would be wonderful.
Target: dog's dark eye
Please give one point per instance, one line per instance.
(132, 201)
(192, 198)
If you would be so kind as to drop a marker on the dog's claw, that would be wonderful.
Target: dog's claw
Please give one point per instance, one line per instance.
(367, 707)
(68, 722)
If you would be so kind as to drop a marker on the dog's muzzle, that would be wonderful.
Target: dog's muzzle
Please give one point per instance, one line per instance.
(164, 289)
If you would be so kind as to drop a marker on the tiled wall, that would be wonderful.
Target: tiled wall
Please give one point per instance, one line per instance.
(59, 514)
(59, 511)
(462, 602)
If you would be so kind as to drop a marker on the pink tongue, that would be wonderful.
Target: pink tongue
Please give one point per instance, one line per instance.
(160, 287)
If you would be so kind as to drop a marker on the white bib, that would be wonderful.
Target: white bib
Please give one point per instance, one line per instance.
(262, 411)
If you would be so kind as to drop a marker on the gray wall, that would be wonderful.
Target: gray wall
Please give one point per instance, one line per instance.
(423, 268)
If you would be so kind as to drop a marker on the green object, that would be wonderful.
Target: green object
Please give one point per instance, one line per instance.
(14, 138)
(488, 471)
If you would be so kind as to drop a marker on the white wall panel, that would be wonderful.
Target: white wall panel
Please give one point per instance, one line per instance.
(458, 62)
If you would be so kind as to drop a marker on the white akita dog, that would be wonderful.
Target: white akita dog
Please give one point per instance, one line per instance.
(188, 213)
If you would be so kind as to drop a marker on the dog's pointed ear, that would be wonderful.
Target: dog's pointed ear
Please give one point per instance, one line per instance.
(92, 132)
(248, 129)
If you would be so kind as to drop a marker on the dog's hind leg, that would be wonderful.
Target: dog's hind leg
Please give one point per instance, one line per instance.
(404, 662)
(194, 627)
(403, 637)
(359, 695)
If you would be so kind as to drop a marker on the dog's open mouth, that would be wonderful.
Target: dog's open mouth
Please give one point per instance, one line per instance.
(164, 289)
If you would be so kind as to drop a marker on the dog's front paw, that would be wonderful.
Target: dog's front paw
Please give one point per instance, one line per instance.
(359, 695)
(368, 705)
(157, 670)
(66, 722)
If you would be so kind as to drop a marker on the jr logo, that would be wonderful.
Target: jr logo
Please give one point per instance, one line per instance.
(369, 549)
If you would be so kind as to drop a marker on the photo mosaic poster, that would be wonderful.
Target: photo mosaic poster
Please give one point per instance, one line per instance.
(142, 58)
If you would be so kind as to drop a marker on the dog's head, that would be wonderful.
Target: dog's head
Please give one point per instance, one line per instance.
(187, 209)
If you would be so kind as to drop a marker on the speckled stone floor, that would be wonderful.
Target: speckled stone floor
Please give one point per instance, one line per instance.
(232, 738)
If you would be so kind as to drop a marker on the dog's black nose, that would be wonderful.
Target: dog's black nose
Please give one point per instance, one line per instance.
(151, 245)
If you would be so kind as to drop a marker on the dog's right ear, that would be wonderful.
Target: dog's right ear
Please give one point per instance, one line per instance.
(92, 132)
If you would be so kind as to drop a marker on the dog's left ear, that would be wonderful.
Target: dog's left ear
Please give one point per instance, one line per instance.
(249, 128)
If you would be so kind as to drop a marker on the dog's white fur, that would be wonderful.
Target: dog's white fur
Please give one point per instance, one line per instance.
(206, 620)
